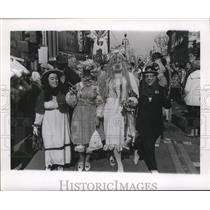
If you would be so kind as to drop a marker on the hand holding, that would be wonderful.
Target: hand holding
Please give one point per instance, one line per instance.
(35, 131)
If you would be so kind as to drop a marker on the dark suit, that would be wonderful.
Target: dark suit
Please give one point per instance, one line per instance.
(149, 121)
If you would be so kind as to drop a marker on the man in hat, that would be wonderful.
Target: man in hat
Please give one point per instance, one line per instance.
(152, 98)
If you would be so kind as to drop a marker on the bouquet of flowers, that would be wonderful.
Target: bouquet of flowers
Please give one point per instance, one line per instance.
(130, 104)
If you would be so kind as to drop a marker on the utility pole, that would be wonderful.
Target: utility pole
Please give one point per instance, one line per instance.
(108, 41)
(125, 42)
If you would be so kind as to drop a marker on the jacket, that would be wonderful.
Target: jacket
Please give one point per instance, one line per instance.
(192, 89)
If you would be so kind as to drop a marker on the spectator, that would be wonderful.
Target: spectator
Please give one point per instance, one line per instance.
(175, 93)
(192, 95)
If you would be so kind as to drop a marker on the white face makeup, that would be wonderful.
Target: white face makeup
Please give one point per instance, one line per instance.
(53, 80)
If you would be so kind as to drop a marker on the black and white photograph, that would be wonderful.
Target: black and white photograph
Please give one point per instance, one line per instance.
(105, 101)
(105, 105)
(109, 96)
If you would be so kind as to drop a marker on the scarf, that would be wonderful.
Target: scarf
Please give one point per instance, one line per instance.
(47, 94)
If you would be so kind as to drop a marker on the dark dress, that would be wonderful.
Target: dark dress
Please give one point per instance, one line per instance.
(149, 121)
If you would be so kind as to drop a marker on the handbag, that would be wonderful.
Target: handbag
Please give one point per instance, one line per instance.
(37, 143)
(95, 142)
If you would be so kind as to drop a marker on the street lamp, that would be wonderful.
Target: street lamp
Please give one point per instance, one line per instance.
(125, 42)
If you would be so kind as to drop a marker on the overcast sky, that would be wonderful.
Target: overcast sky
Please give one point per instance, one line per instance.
(141, 42)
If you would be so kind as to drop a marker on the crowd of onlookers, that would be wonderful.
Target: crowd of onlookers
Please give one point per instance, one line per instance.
(182, 80)
(25, 88)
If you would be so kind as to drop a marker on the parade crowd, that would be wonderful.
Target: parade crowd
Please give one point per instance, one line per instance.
(113, 106)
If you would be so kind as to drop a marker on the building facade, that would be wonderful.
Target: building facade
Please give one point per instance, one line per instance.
(179, 44)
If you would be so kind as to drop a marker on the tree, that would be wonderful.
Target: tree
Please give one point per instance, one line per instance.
(161, 43)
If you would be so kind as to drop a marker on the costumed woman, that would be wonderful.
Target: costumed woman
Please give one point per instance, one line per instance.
(86, 116)
(114, 122)
(53, 118)
(149, 122)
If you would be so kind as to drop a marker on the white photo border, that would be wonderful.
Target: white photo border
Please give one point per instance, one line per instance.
(44, 180)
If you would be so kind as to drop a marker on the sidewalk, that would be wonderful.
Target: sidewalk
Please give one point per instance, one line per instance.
(179, 116)
(185, 151)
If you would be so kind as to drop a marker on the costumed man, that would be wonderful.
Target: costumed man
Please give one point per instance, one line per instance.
(88, 110)
(115, 96)
(132, 94)
(149, 122)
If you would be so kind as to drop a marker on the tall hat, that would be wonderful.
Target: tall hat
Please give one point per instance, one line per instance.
(150, 69)
(156, 56)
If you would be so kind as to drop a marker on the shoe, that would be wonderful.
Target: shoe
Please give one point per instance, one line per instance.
(80, 166)
(136, 157)
(47, 169)
(87, 166)
(157, 143)
(112, 161)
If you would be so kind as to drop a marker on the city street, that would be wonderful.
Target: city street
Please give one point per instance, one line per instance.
(127, 65)
(176, 153)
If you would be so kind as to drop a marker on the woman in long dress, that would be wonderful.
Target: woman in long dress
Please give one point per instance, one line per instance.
(53, 115)
(114, 125)
(86, 117)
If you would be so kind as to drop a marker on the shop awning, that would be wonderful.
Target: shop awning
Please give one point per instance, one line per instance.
(17, 69)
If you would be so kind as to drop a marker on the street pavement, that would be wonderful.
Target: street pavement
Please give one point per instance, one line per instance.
(175, 153)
